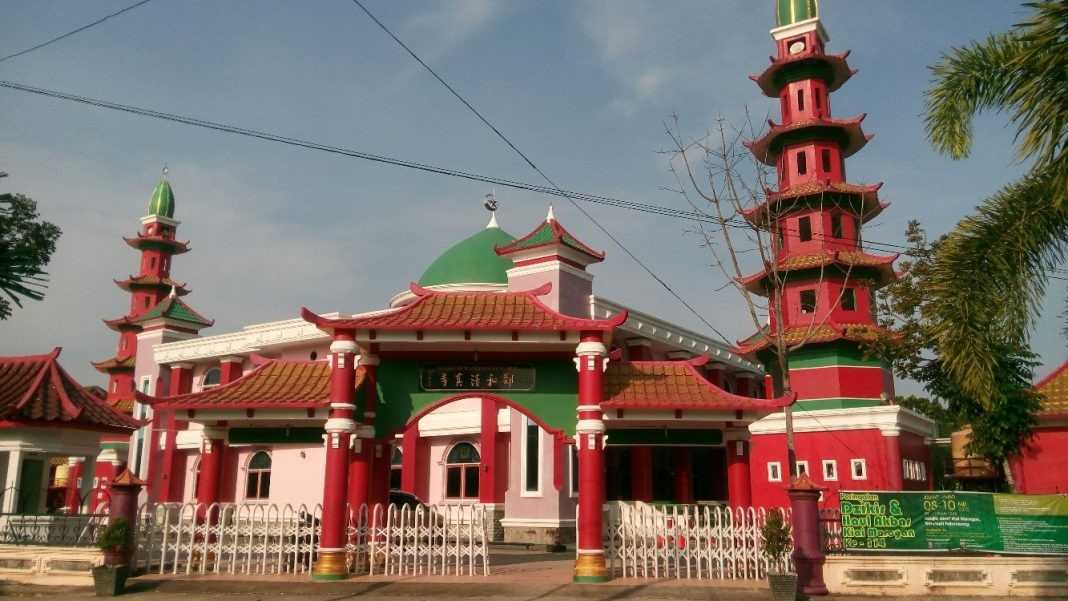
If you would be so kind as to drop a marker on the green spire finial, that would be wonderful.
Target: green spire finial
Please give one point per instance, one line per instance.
(788, 12)
(162, 201)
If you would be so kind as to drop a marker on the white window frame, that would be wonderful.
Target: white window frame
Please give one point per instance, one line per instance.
(523, 492)
(774, 471)
(833, 475)
(797, 467)
(245, 471)
(863, 463)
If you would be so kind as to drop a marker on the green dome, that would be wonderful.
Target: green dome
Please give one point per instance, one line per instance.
(162, 202)
(788, 12)
(471, 261)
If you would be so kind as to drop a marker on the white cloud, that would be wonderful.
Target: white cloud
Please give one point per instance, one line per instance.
(618, 28)
(651, 81)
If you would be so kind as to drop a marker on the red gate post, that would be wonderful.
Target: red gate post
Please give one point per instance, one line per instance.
(73, 498)
(589, 435)
(125, 489)
(808, 551)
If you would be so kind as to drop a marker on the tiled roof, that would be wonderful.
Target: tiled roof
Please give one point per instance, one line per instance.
(766, 149)
(884, 264)
(36, 389)
(864, 197)
(170, 244)
(151, 281)
(121, 323)
(502, 311)
(115, 363)
(854, 332)
(175, 308)
(1054, 390)
(838, 72)
(673, 385)
(276, 384)
(548, 233)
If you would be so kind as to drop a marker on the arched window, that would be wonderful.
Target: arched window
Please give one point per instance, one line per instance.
(258, 481)
(461, 472)
(212, 377)
(395, 466)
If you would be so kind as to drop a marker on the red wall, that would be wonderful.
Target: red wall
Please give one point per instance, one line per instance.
(842, 446)
(837, 382)
(1043, 468)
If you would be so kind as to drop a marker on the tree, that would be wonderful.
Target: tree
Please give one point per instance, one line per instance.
(26, 246)
(991, 272)
(1002, 418)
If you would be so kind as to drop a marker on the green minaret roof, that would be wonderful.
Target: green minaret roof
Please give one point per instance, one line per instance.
(472, 260)
(162, 201)
(788, 12)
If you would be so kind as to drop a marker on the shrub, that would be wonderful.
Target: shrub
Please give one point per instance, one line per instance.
(775, 537)
(116, 537)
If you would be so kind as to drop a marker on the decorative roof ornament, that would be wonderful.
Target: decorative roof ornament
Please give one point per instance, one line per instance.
(788, 12)
(551, 216)
(162, 201)
(491, 205)
(173, 293)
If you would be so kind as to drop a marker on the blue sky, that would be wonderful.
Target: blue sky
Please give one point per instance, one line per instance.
(582, 86)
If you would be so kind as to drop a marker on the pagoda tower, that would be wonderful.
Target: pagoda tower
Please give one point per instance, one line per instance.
(825, 279)
(820, 285)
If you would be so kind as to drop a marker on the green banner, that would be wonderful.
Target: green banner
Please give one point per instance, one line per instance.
(955, 521)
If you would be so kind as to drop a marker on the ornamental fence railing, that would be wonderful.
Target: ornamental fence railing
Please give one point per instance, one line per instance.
(268, 539)
(685, 541)
(55, 530)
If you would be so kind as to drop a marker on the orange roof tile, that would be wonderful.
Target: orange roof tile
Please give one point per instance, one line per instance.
(115, 363)
(503, 311)
(854, 332)
(766, 149)
(275, 384)
(884, 264)
(673, 385)
(837, 73)
(863, 197)
(1054, 390)
(35, 388)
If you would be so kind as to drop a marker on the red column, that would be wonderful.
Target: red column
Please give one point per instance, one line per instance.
(769, 387)
(739, 486)
(487, 491)
(716, 374)
(589, 432)
(378, 485)
(230, 369)
(361, 463)
(682, 457)
(209, 480)
(339, 429)
(73, 499)
(892, 443)
(808, 551)
(164, 428)
(641, 473)
(409, 457)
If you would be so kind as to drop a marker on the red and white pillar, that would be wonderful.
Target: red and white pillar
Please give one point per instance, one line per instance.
(895, 479)
(209, 478)
(361, 462)
(739, 486)
(339, 429)
(591, 361)
(73, 497)
(487, 491)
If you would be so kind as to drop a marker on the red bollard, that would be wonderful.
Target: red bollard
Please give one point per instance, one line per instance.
(808, 550)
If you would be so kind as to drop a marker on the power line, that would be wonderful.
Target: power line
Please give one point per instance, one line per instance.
(74, 31)
(537, 169)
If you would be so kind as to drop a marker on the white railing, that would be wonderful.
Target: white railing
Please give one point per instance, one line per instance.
(247, 538)
(685, 541)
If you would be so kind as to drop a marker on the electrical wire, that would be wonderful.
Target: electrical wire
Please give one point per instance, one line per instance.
(73, 31)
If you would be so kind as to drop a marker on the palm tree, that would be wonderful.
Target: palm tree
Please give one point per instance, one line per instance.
(991, 272)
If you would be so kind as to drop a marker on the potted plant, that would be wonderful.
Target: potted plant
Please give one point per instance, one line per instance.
(116, 541)
(775, 545)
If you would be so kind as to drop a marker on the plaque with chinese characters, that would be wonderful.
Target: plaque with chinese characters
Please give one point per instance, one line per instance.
(476, 377)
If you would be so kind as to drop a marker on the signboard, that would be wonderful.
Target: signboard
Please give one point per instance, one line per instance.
(955, 521)
(476, 377)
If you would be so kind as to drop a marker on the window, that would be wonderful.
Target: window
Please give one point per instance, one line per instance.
(849, 300)
(802, 163)
(258, 480)
(574, 470)
(830, 469)
(152, 263)
(808, 301)
(396, 466)
(212, 377)
(313, 356)
(461, 472)
(825, 158)
(531, 457)
(800, 101)
(804, 228)
(801, 467)
(818, 96)
(774, 471)
(859, 469)
(836, 226)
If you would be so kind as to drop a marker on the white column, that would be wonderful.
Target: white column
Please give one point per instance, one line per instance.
(12, 481)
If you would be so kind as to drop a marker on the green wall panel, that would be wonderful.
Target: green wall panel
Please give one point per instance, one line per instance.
(835, 404)
(831, 354)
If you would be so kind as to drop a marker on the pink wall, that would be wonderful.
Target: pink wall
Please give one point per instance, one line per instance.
(1043, 467)
(570, 294)
(550, 503)
(295, 479)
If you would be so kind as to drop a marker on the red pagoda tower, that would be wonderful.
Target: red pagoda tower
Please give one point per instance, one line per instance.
(824, 281)
(147, 289)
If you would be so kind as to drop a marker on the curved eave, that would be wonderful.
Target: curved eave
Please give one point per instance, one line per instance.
(816, 335)
(121, 324)
(560, 236)
(865, 199)
(721, 400)
(882, 265)
(835, 69)
(847, 132)
(114, 364)
(142, 242)
(133, 283)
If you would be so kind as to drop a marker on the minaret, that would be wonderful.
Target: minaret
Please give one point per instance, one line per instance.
(147, 289)
(814, 220)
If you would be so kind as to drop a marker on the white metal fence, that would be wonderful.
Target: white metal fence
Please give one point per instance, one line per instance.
(250, 538)
(685, 541)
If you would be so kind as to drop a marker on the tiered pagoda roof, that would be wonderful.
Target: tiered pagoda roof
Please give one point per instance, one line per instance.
(862, 200)
(675, 385)
(275, 384)
(120, 324)
(152, 281)
(1054, 391)
(845, 260)
(116, 363)
(175, 309)
(549, 233)
(847, 132)
(36, 390)
(501, 311)
(814, 334)
(143, 242)
(831, 68)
